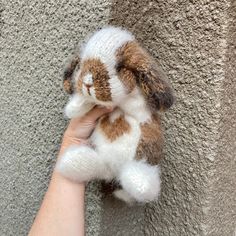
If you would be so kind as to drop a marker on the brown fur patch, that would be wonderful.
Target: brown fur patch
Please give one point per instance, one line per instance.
(127, 78)
(68, 74)
(131, 55)
(115, 129)
(148, 75)
(151, 144)
(67, 86)
(79, 85)
(100, 78)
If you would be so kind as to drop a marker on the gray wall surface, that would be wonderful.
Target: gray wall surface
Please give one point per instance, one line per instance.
(195, 43)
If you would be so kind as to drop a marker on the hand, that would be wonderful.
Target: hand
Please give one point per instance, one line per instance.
(79, 129)
(54, 218)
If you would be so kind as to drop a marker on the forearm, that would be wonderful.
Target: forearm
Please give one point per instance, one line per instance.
(62, 210)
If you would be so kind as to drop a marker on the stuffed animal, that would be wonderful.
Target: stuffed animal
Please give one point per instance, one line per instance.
(113, 70)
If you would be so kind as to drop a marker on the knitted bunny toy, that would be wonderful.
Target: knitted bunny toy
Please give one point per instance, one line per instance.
(113, 70)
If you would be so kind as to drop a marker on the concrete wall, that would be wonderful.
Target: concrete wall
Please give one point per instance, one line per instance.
(36, 38)
(195, 43)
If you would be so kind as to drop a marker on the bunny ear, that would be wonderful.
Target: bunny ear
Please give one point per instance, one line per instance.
(148, 75)
(68, 74)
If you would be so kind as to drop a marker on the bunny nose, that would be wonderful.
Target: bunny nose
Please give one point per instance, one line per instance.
(88, 85)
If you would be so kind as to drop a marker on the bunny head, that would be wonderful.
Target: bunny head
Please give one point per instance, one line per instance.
(111, 65)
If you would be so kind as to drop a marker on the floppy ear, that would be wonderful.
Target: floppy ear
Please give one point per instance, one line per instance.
(148, 75)
(68, 74)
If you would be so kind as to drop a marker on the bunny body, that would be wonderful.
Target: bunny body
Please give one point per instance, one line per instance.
(126, 144)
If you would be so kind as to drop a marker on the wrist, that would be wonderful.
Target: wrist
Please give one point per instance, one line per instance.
(58, 178)
(68, 142)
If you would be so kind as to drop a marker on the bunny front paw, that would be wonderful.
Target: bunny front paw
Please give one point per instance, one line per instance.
(79, 163)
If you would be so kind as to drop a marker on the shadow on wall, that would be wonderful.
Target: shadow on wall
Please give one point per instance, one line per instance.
(139, 17)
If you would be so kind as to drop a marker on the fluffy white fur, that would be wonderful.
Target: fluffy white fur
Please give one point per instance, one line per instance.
(88, 79)
(104, 44)
(78, 106)
(135, 106)
(140, 181)
(124, 196)
(80, 163)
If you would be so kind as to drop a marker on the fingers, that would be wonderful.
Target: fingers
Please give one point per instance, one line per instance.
(81, 128)
(97, 112)
(88, 121)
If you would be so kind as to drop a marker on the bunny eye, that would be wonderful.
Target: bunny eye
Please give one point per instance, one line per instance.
(119, 66)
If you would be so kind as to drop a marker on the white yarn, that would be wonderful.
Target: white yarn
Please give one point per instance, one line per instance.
(104, 44)
(124, 196)
(77, 106)
(140, 180)
(79, 163)
(112, 159)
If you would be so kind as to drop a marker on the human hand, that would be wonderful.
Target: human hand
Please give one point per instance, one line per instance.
(79, 129)
(53, 217)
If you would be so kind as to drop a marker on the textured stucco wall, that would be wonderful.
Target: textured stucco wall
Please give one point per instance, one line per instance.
(221, 207)
(195, 43)
(36, 38)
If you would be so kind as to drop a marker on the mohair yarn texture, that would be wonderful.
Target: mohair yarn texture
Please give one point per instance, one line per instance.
(123, 148)
(195, 43)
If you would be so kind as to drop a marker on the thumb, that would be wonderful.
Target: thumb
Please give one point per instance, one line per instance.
(97, 112)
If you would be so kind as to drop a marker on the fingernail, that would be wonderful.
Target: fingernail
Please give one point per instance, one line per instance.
(101, 106)
(110, 108)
